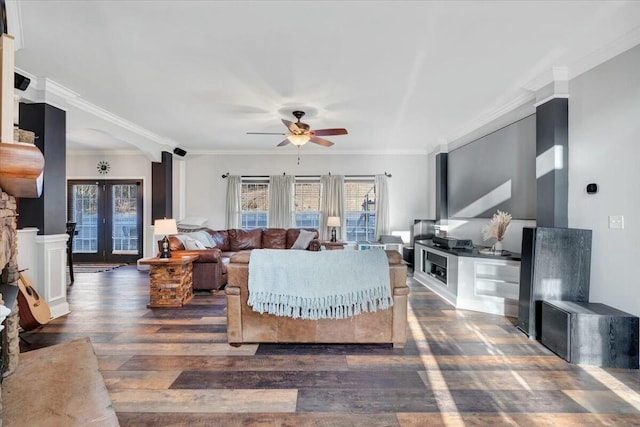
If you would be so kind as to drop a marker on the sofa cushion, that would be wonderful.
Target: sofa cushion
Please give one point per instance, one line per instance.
(221, 239)
(274, 238)
(293, 233)
(245, 239)
(304, 238)
(241, 257)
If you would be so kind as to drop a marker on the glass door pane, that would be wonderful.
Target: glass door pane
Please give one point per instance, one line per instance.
(84, 212)
(124, 217)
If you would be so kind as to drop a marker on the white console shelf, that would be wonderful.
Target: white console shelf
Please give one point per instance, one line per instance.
(470, 282)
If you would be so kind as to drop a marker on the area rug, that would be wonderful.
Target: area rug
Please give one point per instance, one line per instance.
(88, 267)
(61, 385)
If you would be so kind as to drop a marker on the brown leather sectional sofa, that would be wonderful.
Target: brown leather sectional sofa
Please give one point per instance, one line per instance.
(210, 269)
(247, 326)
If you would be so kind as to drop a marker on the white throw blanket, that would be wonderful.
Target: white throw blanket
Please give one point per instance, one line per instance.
(318, 285)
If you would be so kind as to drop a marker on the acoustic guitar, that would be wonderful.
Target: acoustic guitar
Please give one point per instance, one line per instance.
(34, 310)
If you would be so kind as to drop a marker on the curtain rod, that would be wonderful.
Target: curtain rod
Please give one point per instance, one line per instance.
(225, 175)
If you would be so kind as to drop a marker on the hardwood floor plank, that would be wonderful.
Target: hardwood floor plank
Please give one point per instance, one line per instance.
(360, 400)
(513, 401)
(512, 380)
(237, 363)
(133, 419)
(297, 379)
(516, 420)
(604, 401)
(187, 337)
(154, 380)
(173, 349)
(237, 400)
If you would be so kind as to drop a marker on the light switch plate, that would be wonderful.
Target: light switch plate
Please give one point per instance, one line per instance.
(616, 221)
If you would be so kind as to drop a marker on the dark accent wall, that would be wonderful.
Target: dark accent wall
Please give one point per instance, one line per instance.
(162, 187)
(442, 201)
(552, 122)
(495, 171)
(48, 212)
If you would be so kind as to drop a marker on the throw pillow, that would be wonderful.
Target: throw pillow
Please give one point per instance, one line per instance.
(304, 238)
(202, 237)
(193, 244)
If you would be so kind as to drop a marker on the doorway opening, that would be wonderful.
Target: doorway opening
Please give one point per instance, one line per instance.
(108, 217)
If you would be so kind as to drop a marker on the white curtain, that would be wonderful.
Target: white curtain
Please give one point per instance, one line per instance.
(332, 204)
(281, 203)
(234, 208)
(382, 205)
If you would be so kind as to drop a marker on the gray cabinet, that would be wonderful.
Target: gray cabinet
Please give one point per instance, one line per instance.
(556, 265)
(590, 334)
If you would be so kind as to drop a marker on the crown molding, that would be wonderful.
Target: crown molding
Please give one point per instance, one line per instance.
(88, 153)
(605, 53)
(483, 120)
(49, 87)
(103, 114)
(551, 76)
(416, 152)
(54, 88)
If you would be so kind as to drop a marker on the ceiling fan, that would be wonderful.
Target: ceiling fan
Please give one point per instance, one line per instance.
(300, 133)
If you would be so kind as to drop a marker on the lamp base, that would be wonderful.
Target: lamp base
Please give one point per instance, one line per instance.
(166, 252)
(333, 235)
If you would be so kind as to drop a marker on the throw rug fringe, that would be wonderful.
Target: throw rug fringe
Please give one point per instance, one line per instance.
(318, 285)
(331, 307)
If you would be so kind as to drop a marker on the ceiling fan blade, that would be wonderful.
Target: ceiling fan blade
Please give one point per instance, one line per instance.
(266, 133)
(321, 141)
(293, 128)
(326, 132)
(285, 142)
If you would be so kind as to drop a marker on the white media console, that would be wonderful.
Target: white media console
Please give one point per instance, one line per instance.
(468, 279)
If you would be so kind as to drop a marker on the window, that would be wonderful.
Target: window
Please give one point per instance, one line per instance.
(360, 209)
(307, 201)
(254, 198)
(84, 212)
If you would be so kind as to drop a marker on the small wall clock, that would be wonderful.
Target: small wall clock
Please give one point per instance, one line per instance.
(103, 167)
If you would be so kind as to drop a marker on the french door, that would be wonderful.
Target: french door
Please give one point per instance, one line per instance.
(108, 217)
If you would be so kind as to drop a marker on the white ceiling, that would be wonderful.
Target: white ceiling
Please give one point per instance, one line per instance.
(400, 76)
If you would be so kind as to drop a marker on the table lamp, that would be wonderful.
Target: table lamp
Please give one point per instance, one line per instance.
(165, 227)
(333, 222)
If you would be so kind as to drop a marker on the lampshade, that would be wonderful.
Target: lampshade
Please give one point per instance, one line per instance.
(298, 139)
(333, 221)
(163, 227)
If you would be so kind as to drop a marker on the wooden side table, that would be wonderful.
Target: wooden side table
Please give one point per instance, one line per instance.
(332, 246)
(170, 281)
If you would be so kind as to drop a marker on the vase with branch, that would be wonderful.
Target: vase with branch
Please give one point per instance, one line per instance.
(496, 229)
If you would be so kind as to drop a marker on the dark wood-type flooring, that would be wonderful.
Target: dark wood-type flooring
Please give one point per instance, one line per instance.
(173, 367)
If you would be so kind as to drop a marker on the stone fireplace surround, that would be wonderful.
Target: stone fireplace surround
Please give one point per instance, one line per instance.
(9, 265)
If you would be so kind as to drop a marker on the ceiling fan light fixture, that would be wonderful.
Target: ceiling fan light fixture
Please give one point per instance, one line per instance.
(298, 139)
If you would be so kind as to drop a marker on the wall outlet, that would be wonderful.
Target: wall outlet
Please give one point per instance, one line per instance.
(616, 221)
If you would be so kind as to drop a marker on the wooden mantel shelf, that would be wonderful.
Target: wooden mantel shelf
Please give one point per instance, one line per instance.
(21, 167)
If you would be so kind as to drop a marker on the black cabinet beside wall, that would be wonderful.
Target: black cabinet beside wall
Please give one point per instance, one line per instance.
(556, 265)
